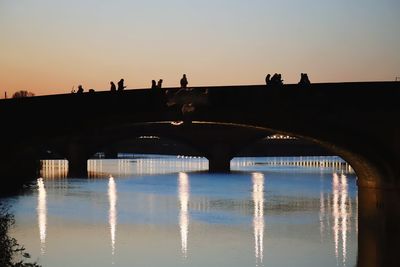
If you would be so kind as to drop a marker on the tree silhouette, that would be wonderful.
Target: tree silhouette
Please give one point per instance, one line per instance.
(12, 254)
(22, 93)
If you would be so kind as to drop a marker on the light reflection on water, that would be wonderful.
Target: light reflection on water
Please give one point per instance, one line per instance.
(112, 217)
(144, 164)
(258, 221)
(340, 213)
(183, 212)
(227, 216)
(54, 169)
(42, 214)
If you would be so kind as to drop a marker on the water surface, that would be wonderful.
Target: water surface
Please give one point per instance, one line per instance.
(144, 212)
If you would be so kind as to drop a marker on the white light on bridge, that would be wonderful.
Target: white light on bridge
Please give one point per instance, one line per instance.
(177, 123)
(280, 136)
(149, 137)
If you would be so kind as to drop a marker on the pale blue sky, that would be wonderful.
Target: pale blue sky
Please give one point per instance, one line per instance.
(48, 46)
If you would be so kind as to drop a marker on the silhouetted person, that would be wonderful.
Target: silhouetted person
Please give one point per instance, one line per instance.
(121, 86)
(80, 89)
(280, 81)
(304, 79)
(153, 84)
(268, 79)
(184, 81)
(91, 90)
(159, 83)
(276, 80)
(158, 94)
(113, 87)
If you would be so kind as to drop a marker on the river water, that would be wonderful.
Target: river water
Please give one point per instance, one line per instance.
(168, 211)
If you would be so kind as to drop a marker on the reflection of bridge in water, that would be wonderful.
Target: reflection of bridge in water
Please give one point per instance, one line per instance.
(336, 211)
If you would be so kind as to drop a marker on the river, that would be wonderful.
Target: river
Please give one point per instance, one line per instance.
(169, 211)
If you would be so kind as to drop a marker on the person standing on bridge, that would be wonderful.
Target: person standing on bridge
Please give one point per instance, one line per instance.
(80, 89)
(153, 84)
(121, 85)
(113, 87)
(276, 80)
(268, 79)
(304, 81)
(184, 81)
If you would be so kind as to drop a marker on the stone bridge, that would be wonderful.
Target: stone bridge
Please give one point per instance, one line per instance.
(357, 121)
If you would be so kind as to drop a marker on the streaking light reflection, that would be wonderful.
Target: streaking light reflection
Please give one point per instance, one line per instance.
(112, 217)
(340, 215)
(258, 221)
(42, 214)
(183, 192)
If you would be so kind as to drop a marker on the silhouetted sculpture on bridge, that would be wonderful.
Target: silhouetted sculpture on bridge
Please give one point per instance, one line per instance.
(121, 85)
(113, 87)
(304, 81)
(184, 81)
(153, 84)
(159, 83)
(80, 89)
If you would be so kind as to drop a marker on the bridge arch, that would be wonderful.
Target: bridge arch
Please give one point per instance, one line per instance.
(206, 138)
(370, 172)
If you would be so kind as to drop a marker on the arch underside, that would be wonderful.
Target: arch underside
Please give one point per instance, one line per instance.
(372, 170)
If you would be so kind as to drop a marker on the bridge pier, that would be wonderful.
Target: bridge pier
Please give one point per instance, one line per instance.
(77, 167)
(77, 158)
(219, 159)
(221, 164)
(378, 227)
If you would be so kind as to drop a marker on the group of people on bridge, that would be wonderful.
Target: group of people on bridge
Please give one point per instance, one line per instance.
(276, 80)
(120, 85)
(113, 88)
(273, 81)
(120, 88)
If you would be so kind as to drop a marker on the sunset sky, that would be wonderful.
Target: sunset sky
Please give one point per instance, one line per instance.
(49, 46)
